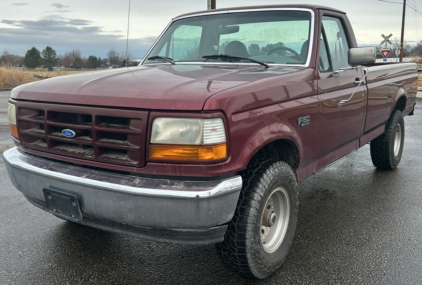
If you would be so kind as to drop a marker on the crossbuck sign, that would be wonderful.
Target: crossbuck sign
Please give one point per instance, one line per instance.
(386, 40)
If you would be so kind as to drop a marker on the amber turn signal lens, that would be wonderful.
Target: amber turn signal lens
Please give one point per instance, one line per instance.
(14, 131)
(188, 153)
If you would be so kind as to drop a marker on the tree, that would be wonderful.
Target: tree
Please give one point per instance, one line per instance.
(75, 53)
(93, 62)
(113, 57)
(270, 47)
(32, 58)
(254, 49)
(78, 63)
(417, 50)
(49, 58)
(126, 57)
(6, 58)
(67, 60)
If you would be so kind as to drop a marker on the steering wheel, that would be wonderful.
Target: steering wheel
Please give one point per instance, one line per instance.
(288, 49)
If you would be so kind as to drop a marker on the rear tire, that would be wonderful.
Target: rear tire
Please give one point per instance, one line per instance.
(260, 235)
(387, 149)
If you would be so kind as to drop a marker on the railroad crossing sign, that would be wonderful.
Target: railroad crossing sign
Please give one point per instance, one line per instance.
(386, 40)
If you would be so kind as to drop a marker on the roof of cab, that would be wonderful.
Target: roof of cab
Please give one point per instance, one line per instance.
(311, 7)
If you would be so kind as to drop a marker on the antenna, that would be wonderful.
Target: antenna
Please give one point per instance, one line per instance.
(127, 38)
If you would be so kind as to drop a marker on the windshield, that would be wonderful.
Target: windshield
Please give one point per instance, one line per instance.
(273, 37)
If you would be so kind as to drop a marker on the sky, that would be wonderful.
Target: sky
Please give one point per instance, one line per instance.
(97, 26)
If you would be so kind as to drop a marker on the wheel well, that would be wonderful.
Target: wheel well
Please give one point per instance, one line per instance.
(281, 150)
(401, 104)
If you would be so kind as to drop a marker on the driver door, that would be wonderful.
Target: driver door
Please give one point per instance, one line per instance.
(342, 102)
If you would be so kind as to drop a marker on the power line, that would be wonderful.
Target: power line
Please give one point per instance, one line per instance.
(408, 5)
(418, 4)
(390, 2)
(413, 8)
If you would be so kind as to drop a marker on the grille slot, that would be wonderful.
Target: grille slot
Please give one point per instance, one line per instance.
(113, 122)
(72, 149)
(70, 118)
(112, 138)
(100, 134)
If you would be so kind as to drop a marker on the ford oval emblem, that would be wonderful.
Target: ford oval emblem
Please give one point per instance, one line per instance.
(68, 133)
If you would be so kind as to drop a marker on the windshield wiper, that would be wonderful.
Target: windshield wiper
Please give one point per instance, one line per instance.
(226, 56)
(166, 59)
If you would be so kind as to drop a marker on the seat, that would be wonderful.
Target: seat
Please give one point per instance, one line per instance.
(304, 50)
(236, 48)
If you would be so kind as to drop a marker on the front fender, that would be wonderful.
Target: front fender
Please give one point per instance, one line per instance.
(267, 134)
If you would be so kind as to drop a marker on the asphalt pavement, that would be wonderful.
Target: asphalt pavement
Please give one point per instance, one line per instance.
(357, 225)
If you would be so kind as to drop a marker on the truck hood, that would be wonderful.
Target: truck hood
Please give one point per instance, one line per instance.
(159, 87)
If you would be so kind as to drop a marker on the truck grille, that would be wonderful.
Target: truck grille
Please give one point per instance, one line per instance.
(101, 134)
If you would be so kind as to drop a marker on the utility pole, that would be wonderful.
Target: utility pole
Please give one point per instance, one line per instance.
(402, 30)
(211, 4)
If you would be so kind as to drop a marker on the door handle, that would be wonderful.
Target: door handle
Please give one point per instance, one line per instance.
(340, 103)
(359, 82)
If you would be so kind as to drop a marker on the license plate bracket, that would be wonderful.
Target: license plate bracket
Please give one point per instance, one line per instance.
(63, 204)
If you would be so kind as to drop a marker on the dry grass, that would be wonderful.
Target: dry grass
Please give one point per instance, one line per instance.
(420, 82)
(11, 77)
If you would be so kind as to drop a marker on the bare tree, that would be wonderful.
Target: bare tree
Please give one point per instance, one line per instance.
(406, 46)
(67, 60)
(75, 53)
(6, 58)
(113, 57)
(124, 58)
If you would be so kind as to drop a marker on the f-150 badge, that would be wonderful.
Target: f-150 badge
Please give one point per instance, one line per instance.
(304, 121)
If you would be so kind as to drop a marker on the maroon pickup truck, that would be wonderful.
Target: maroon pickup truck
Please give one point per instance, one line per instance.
(205, 141)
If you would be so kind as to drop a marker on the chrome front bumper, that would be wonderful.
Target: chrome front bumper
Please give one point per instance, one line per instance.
(171, 210)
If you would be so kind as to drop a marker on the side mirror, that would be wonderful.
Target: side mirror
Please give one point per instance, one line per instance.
(362, 56)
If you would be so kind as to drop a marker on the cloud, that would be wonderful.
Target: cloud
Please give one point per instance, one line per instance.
(59, 6)
(49, 23)
(20, 4)
(65, 34)
(59, 11)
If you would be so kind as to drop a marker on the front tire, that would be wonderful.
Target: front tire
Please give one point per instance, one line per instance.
(387, 149)
(260, 235)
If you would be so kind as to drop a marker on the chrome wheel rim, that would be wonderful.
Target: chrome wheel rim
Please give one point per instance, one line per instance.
(275, 220)
(397, 140)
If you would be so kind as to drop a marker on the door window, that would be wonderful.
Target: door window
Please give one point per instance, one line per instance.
(338, 45)
(324, 62)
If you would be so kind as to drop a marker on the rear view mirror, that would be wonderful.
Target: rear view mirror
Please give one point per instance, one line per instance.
(362, 56)
(228, 30)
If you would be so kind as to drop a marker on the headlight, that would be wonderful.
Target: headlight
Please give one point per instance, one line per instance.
(11, 114)
(188, 131)
(188, 139)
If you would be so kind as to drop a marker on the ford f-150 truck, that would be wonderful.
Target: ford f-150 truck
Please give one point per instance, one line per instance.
(205, 141)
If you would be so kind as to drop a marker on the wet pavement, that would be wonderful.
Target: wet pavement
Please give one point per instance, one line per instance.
(357, 225)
